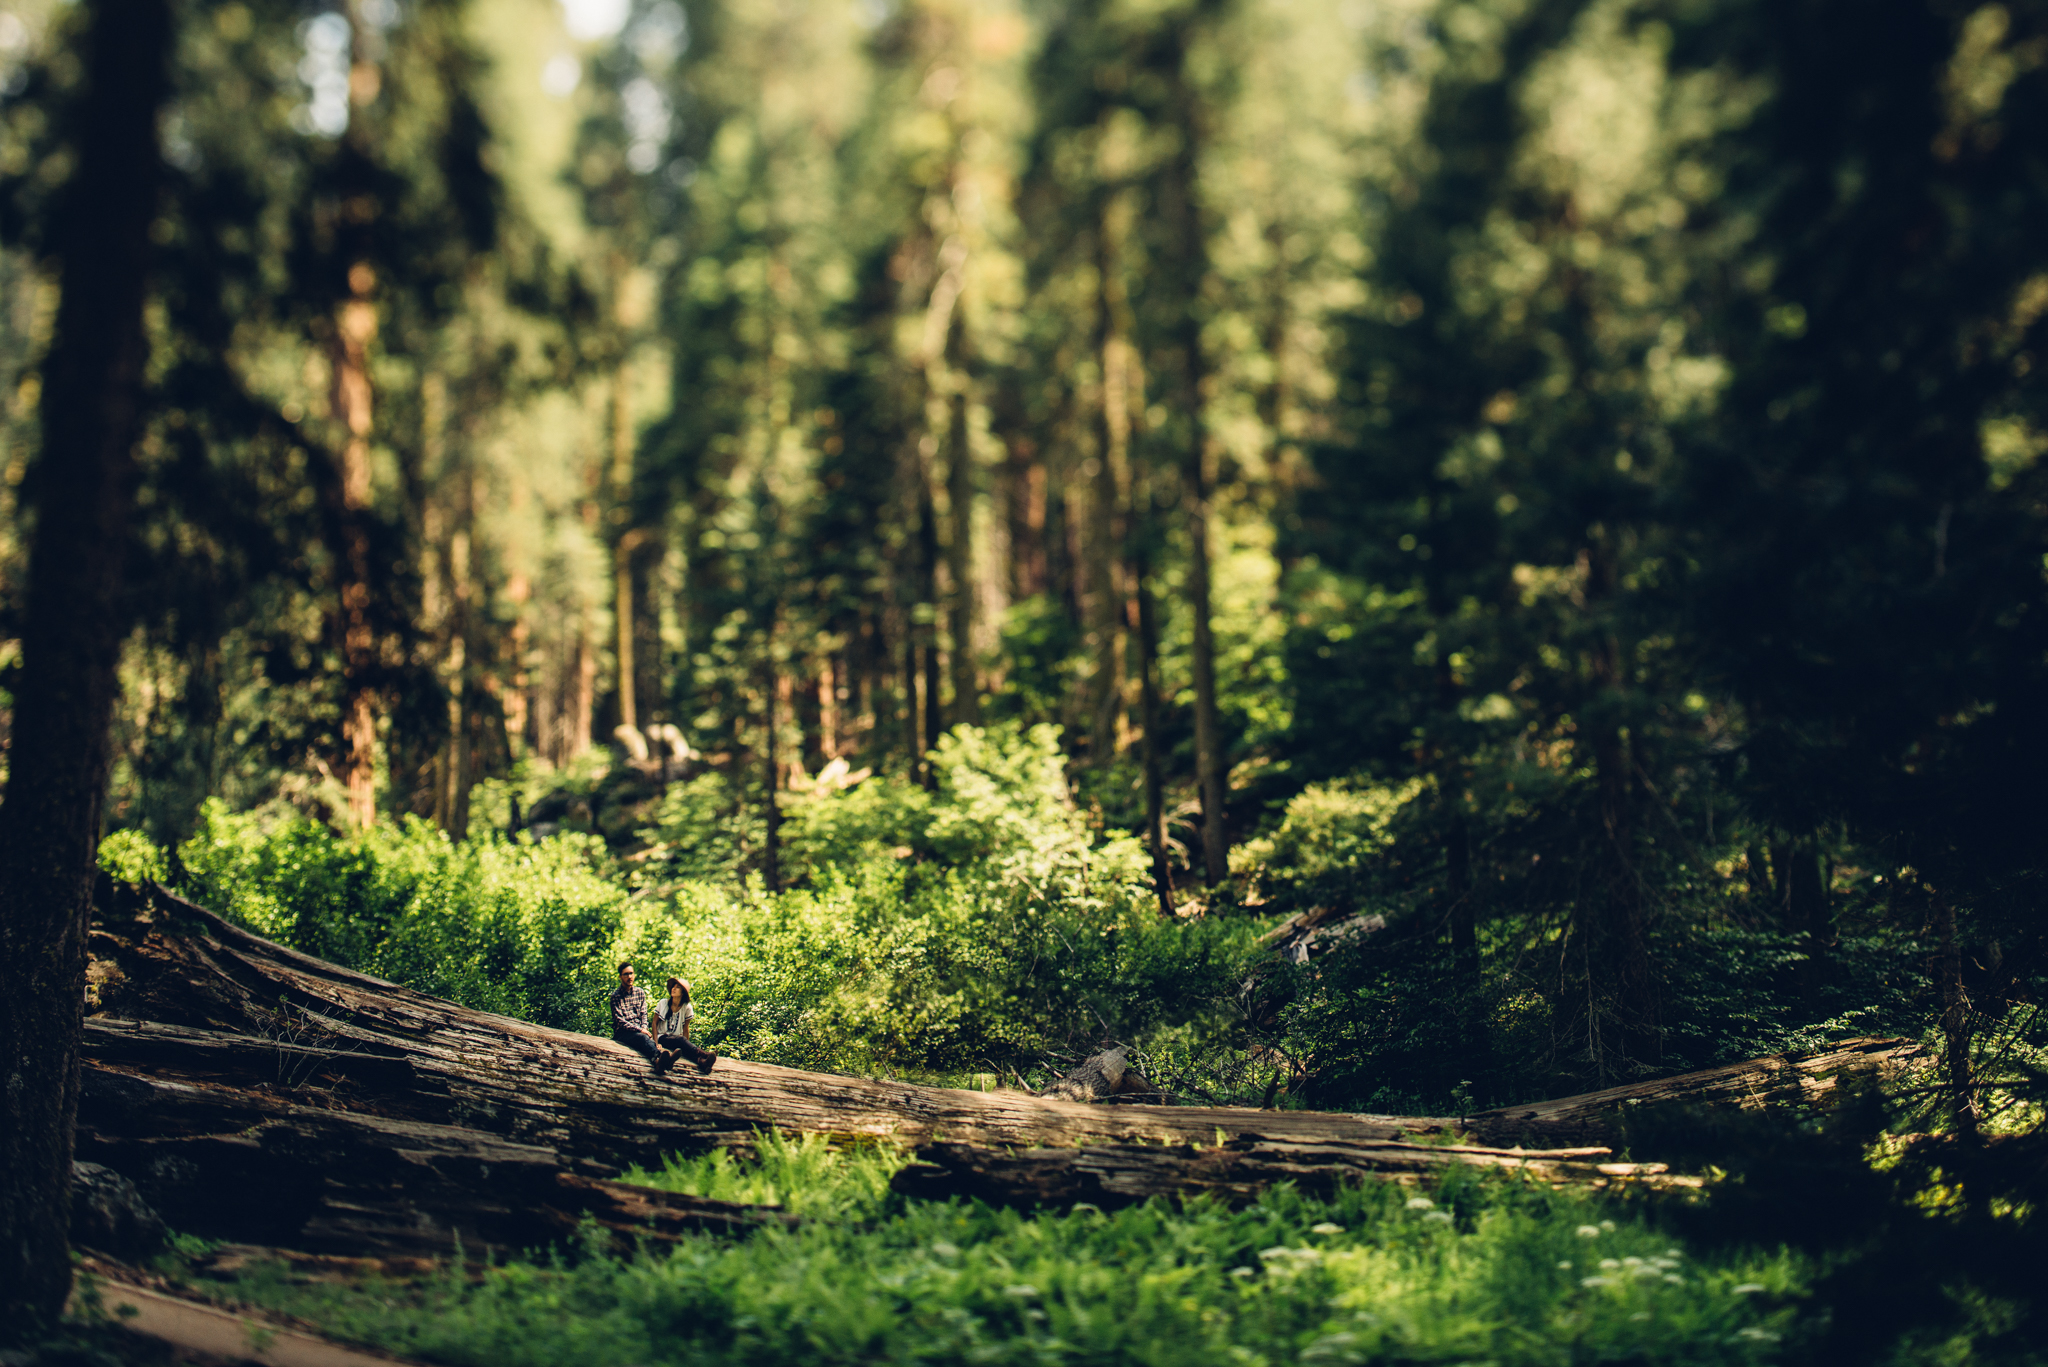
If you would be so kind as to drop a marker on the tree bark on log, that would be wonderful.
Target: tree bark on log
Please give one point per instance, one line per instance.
(1237, 1172)
(1789, 1080)
(262, 1095)
(230, 1163)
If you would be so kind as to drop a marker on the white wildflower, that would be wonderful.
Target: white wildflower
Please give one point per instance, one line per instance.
(1026, 1292)
(943, 1249)
(1589, 1231)
(1748, 1289)
(1243, 1271)
(1326, 1228)
(1674, 1279)
(1609, 1265)
(1420, 1203)
(1596, 1281)
(1439, 1217)
(1607, 1226)
(1565, 1266)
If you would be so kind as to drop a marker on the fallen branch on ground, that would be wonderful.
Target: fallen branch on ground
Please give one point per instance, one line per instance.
(1238, 1172)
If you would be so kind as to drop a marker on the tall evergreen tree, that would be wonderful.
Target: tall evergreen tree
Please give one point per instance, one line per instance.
(92, 413)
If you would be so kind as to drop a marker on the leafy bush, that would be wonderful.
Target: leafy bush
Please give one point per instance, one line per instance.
(524, 929)
(1329, 831)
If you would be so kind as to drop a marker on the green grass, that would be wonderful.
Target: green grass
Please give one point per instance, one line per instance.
(1475, 1271)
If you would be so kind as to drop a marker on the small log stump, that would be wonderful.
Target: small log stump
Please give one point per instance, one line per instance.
(1104, 1076)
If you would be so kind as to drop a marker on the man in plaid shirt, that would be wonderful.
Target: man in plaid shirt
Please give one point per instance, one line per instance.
(629, 1019)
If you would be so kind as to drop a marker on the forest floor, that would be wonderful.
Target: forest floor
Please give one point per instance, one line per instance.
(417, 1178)
(1472, 1268)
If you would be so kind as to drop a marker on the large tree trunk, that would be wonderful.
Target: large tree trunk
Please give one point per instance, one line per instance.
(622, 611)
(1180, 207)
(1106, 623)
(71, 640)
(1211, 772)
(350, 397)
(629, 538)
(355, 326)
(257, 1093)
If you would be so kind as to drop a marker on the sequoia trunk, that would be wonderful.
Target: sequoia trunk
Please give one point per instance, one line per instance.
(71, 638)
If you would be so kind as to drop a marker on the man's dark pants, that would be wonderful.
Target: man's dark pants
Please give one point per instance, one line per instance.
(640, 1042)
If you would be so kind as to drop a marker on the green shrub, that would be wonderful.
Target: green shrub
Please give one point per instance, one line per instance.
(1328, 829)
(524, 929)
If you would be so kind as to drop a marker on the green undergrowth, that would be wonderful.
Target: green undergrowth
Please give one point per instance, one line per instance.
(807, 1175)
(981, 930)
(1475, 1271)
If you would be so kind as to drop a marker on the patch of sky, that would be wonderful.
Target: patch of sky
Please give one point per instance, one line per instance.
(327, 40)
(661, 35)
(561, 75)
(647, 117)
(591, 21)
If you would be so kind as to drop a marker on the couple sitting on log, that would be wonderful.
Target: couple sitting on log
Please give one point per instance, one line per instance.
(670, 1037)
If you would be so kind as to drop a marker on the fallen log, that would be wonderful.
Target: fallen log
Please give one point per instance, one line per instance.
(261, 1095)
(1237, 1172)
(231, 1163)
(187, 997)
(1803, 1080)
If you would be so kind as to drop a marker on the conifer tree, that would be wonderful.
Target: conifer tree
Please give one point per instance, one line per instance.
(92, 412)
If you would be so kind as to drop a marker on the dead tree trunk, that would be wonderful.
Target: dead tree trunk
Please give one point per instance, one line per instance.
(258, 1093)
(71, 643)
(1186, 229)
